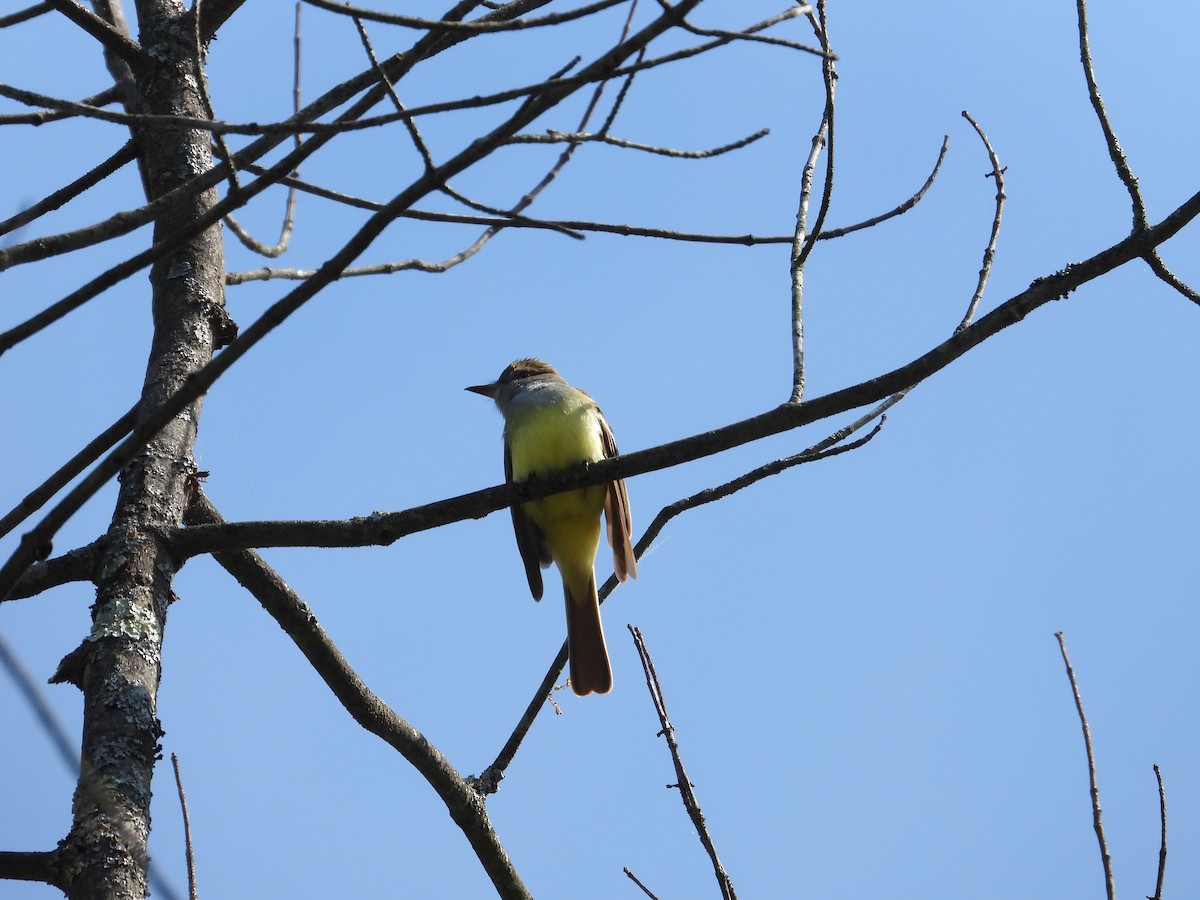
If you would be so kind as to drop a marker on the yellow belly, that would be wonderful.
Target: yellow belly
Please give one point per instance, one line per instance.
(547, 437)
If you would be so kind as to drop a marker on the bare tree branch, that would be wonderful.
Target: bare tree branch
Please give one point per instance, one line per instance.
(687, 791)
(1162, 847)
(830, 233)
(622, 230)
(559, 137)
(74, 565)
(293, 615)
(635, 880)
(189, 851)
(803, 240)
(989, 252)
(1105, 858)
(214, 14)
(345, 124)
(1159, 268)
(56, 199)
(1115, 153)
(44, 866)
(800, 9)
(289, 211)
(384, 528)
(24, 15)
(110, 94)
(96, 447)
(477, 27)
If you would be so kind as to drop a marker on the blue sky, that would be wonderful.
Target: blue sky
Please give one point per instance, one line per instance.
(858, 655)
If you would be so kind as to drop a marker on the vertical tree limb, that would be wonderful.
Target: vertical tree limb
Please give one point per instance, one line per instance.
(121, 658)
(1105, 858)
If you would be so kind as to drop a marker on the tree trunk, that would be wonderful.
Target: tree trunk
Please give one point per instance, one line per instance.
(122, 655)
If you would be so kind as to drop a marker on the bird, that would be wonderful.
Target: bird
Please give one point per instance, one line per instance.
(549, 427)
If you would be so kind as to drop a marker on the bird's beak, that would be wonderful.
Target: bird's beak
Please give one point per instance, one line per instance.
(488, 390)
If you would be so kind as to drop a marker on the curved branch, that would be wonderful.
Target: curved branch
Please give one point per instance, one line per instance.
(904, 207)
(478, 27)
(381, 529)
(293, 615)
(1159, 268)
(989, 252)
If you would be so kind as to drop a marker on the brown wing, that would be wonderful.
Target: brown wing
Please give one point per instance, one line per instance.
(535, 553)
(616, 514)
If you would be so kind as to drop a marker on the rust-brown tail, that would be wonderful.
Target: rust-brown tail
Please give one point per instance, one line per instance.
(590, 668)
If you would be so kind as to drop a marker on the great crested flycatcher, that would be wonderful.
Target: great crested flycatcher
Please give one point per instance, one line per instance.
(550, 426)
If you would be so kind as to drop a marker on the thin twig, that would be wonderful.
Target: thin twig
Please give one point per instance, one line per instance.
(635, 880)
(39, 496)
(189, 851)
(1105, 858)
(686, 789)
(1115, 153)
(559, 137)
(1159, 268)
(830, 233)
(802, 240)
(799, 10)
(469, 28)
(1162, 849)
(202, 88)
(752, 33)
(821, 450)
(427, 158)
(593, 101)
(345, 124)
(289, 210)
(623, 230)
(413, 132)
(111, 94)
(69, 192)
(989, 252)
